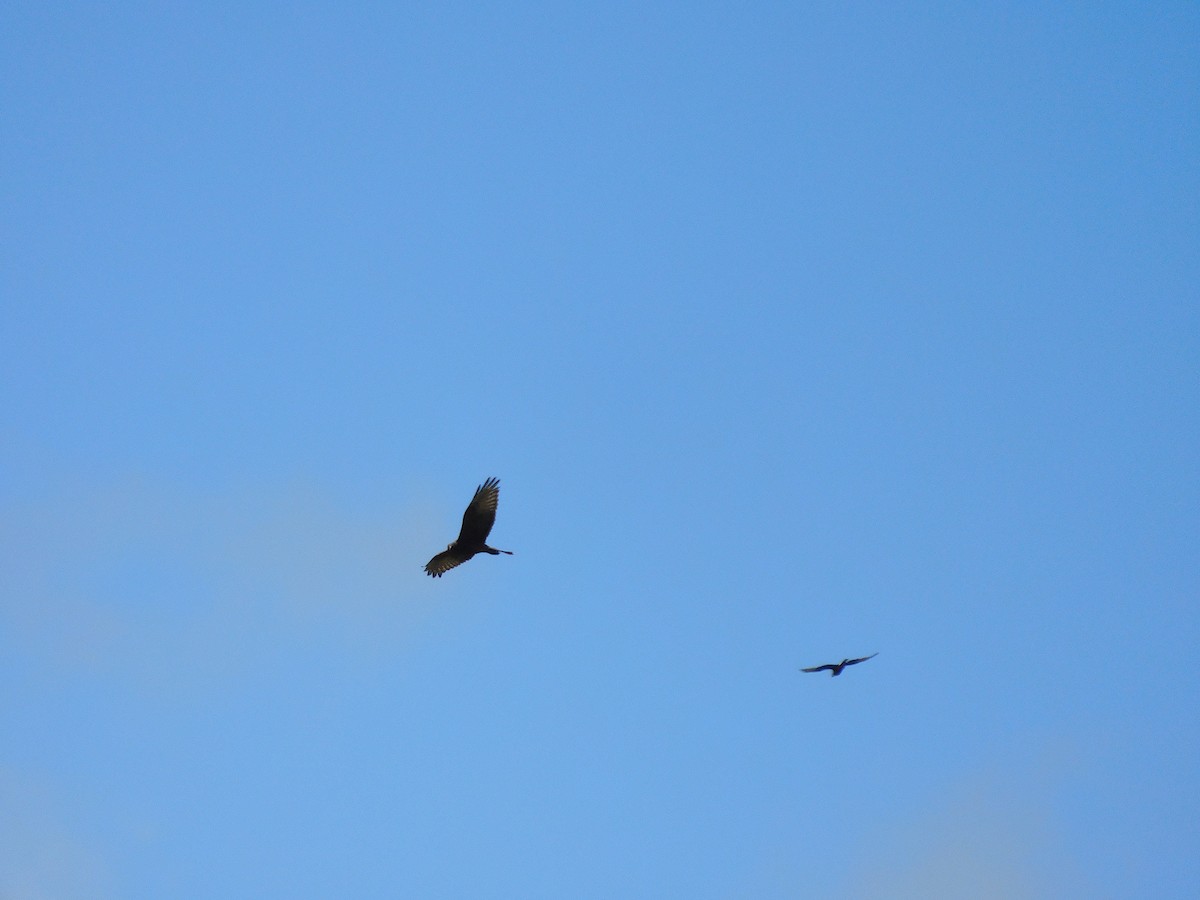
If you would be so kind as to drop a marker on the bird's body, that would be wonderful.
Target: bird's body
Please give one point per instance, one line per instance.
(476, 525)
(835, 669)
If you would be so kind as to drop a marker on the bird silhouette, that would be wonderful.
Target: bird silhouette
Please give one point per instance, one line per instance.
(835, 669)
(476, 525)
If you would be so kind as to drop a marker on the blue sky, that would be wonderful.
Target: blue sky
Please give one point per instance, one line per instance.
(793, 332)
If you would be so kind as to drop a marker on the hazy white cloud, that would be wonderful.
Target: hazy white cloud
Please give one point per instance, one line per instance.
(147, 577)
(994, 837)
(997, 834)
(40, 856)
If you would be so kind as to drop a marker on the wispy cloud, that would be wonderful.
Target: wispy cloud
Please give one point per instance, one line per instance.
(41, 856)
(993, 836)
(138, 575)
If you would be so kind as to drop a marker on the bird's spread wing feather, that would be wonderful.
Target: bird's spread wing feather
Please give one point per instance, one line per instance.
(854, 662)
(444, 562)
(480, 515)
(819, 668)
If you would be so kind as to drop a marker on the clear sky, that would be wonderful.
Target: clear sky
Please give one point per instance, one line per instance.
(794, 331)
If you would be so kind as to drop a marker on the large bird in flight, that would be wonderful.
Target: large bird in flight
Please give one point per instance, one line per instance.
(835, 669)
(477, 523)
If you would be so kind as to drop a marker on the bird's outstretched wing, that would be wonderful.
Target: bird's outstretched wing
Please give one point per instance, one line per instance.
(824, 668)
(444, 562)
(480, 515)
(855, 662)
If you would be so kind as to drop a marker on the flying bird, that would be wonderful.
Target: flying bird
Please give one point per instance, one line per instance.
(477, 523)
(835, 669)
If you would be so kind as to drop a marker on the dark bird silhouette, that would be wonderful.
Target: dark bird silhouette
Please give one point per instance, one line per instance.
(835, 669)
(477, 523)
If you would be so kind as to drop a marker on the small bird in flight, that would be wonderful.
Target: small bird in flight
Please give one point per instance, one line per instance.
(476, 525)
(835, 669)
